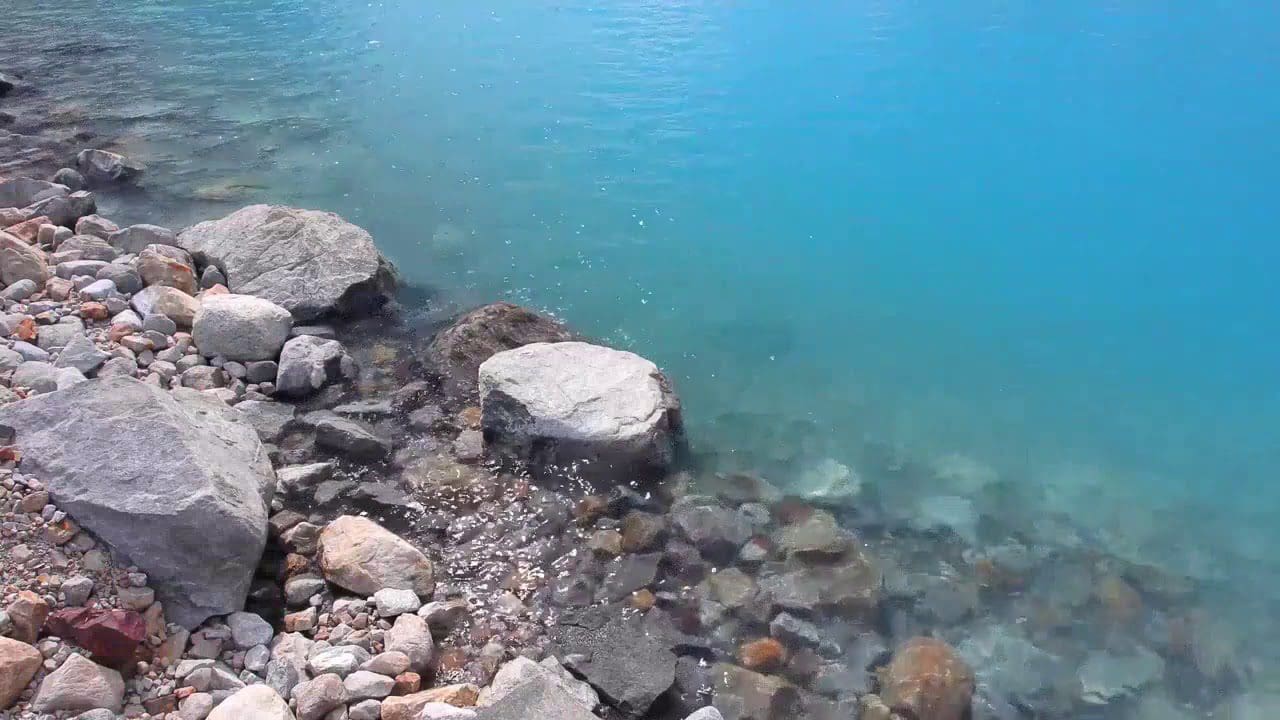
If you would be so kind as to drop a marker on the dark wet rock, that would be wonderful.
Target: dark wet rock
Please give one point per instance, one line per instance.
(311, 263)
(135, 238)
(386, 494)
(619, 657)
(308, 363)
(206, 514)
(71, 178)
(795, 631)
(573, 404)
(366, 409)
(684, 562)
(716, 531)
(627, 574)
(347, 436)
(456, 353)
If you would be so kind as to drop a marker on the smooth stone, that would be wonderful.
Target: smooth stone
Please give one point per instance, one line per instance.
(363, 557)
(135, 238)
(456, 353)
(259, 702)
(78, 685)
(241, 327)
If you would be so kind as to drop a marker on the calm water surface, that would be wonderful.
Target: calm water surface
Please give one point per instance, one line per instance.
(1041, 236)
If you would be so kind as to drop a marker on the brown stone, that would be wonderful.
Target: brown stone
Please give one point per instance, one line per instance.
(295, 564)
(18, 664)
(158, 269)
(363, 557)
(642, 531)
(60, 533)
(1121, 604)
(28, 613)
(469, 417)
(762, 655)
(26, 330)
(407, 683)
(407, 707)
(927, 679)
(606, 543)
(94, 311)
(302, 621)
(589, 509)
(643, 600)
(28, 230)
(119, 331)
(160, 705)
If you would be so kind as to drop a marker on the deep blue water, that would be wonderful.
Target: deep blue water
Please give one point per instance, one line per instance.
(1039, 235)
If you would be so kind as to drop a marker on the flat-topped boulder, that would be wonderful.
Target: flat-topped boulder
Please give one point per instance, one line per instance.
(456, 352)
(576, 404)
(23, 191)
(311, 263)
(176, 481)
(241, 327)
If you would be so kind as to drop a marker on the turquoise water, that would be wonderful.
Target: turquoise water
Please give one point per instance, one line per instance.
(1042, 236)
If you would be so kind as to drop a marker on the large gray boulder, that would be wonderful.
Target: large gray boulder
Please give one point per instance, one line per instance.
(456, 352)
(177, 482)
(20, 261)
(575, 404)
(23, 191)
(309, 262)
(100, 166)
(64, 209)
(241, 327)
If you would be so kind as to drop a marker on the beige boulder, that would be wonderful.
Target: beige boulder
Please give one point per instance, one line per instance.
(363, 557)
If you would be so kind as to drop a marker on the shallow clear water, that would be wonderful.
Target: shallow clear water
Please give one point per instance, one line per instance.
(1040, 236)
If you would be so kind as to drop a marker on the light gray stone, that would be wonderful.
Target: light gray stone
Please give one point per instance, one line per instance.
(135, 238)
(574, 402)
(311, 263)
(81, 354)
(206, 513)
(349, 437)
(364, 685)
(539, 698)
(298, 590)
(196, 706)
(79, 268)
(522, 670)
(269, 418)
(99, 290)
(94, 225)
(365, 710)
(341, 660)
(20, 290)
(296, 478)
(393, 601)
(390, 663)
(30, 352)
(259, 702)
(241, 327)
(80, 684)
(248, 630)
(308, 363)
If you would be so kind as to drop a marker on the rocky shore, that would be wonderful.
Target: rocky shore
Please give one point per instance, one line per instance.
(235, 484)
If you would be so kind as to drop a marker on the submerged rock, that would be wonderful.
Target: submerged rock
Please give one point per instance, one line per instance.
(581, 405)
(928, 679)
(175, 481)
(309, 262)
(100, 166)
(626, 663)
(456, 353)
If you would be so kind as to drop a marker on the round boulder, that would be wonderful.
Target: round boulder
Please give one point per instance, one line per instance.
(241, 327)
(580, 405)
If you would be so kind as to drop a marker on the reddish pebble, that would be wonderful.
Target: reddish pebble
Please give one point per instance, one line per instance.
(26, 330)
(94, 311)
(927, 679)
(407, 683)
(28, 231)
(763, 654)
